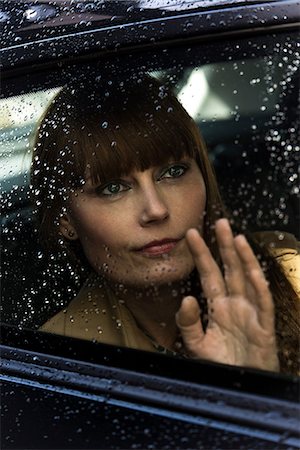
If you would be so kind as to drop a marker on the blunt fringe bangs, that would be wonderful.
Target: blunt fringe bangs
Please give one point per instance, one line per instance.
(111, 138)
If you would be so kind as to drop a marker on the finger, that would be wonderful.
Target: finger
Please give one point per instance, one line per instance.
(233, 268)
(211, 278)
(190, 326)
(255, 275)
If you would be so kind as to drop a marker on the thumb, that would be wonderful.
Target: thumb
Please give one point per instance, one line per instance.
(189, 324)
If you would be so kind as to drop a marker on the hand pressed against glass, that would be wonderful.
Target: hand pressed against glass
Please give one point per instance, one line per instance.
(241, 329)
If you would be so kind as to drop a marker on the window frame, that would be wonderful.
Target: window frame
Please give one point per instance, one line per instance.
(258, 405)
(174, 385)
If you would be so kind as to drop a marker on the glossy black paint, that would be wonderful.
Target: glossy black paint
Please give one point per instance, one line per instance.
(94, 422)
(248, 381)
(55, 43)
(205, 396)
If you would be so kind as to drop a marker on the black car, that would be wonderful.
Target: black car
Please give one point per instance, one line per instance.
(234, 66)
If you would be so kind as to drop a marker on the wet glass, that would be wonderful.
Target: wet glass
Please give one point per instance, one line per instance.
(245, 106)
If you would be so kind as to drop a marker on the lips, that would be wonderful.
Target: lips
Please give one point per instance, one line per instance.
(158, 248)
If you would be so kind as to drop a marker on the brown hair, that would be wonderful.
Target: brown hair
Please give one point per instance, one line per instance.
(108, 129)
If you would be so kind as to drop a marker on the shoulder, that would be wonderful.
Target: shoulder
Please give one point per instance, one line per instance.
(96, 314)
(277, 240)
(56, 324)
(285, 249)
(86, 316)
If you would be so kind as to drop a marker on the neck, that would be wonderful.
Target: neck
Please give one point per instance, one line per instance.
(154, 309)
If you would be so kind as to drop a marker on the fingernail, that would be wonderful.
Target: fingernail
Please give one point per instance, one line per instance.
(241, 237)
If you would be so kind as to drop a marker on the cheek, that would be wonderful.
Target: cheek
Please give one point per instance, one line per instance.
(194, 202)
(198, 195)
(90, 226)
(96, 237)
(100, 232)
(95, 232)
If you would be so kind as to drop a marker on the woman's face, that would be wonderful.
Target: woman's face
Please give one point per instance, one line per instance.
(132, 229)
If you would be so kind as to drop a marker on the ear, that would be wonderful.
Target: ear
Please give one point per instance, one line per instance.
(67, 229)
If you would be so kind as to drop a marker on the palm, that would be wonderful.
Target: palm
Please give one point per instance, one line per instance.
(240, 328)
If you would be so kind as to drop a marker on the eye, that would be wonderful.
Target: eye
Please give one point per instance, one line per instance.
(111, 189)
(174, 171)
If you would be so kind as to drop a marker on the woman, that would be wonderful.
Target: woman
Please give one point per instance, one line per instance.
(123, 182)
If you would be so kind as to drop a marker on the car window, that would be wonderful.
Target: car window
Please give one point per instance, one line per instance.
(242, 96)
(19, 116)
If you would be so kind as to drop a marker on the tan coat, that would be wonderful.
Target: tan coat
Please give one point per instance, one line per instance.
(96, 314)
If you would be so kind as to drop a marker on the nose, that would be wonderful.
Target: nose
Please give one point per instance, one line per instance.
(154, 208)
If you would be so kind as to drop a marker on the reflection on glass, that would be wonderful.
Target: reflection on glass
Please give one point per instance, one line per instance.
(18, 118)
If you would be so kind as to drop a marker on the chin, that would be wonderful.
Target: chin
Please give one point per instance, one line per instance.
(162, 274)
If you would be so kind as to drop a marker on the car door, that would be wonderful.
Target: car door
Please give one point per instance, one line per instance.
(60, 392)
